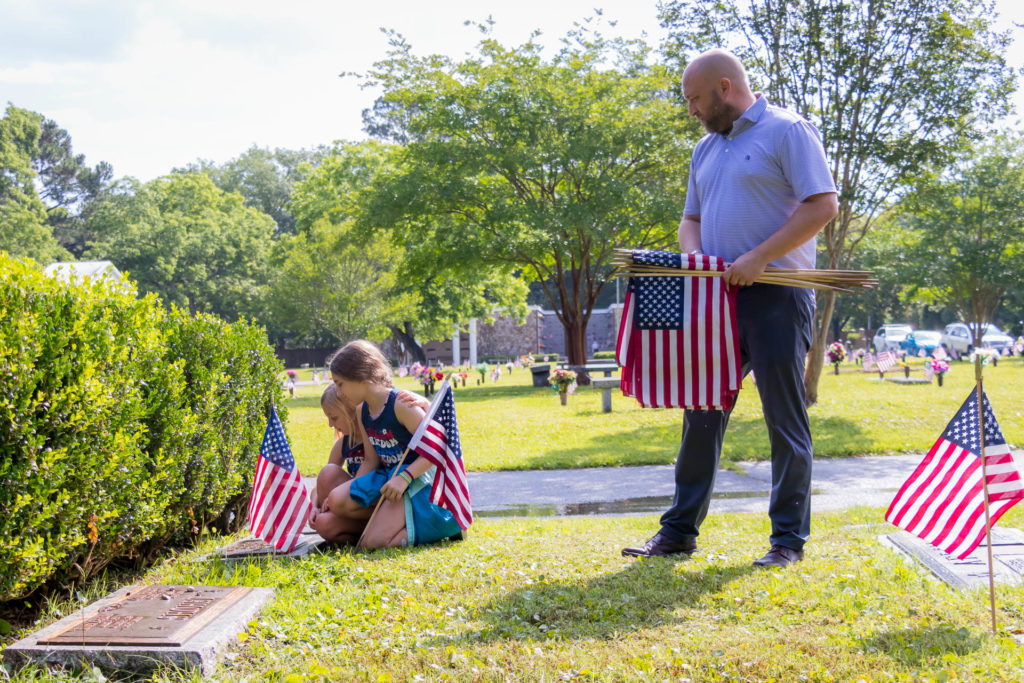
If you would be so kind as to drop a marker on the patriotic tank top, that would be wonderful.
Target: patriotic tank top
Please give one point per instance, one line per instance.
(352, 454)
(388, 436)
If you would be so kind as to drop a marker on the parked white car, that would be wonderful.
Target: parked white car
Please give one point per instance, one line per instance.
(889, 336)
(958, 340)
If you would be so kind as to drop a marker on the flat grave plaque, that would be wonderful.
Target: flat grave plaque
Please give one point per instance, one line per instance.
(139, 628)
(161, 616)
(972, 571)
(252, 547)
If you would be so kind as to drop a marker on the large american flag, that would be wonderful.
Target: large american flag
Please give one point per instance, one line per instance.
(943, 501)
(437, 440)
(279, 506)
(678, 343)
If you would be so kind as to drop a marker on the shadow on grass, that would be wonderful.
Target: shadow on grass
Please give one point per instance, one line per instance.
(915, 647)
(645, 593)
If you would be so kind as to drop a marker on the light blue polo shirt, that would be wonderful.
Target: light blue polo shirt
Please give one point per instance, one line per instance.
(746, 184)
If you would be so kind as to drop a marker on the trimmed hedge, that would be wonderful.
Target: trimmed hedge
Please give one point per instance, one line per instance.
(124, 427)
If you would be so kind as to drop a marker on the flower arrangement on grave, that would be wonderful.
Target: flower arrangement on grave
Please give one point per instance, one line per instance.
(836, 354)
(939, 367)
(426, 376)
(905, 363)
(292, 374)
(562, 381)
(987, 356)
(482, 369)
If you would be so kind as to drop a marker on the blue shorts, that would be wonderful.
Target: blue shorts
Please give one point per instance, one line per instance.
(425, 522)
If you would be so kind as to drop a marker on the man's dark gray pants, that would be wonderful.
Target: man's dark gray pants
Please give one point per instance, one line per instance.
(774, 325)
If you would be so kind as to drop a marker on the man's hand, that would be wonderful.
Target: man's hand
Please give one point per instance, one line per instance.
(744, 270)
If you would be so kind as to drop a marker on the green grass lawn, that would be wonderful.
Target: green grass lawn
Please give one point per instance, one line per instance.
(510, 425)
(552, 600)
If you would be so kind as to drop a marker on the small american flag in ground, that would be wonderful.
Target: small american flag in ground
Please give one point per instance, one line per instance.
(437, 440)
(279, 506)
(678, 342)
(868, 362)
(885, 360)
(943, 501)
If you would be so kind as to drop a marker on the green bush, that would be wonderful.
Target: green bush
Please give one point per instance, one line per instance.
(602, 355)
(123, 426)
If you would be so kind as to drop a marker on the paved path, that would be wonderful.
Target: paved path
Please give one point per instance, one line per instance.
(837, 483)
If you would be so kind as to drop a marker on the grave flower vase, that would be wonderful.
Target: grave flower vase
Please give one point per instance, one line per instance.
(938, 376)
(906, 371)
(835, 367)
(563, 396)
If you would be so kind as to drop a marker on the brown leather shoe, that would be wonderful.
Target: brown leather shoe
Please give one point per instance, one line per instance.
(779, 556)
(661, 546)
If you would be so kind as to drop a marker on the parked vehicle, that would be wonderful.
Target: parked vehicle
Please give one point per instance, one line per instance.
(928, 340)
(889, 336)
(958, 339)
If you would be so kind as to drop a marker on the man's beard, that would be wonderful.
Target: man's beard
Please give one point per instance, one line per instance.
(722, 115)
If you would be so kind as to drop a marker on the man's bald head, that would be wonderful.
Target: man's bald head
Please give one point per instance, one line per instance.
(715, 65)
(715, 86)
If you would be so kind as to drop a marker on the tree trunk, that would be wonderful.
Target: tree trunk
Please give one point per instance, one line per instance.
(405, 337)
(575, 347)
(816, 359)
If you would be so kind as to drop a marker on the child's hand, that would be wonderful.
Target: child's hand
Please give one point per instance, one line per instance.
(411, 399)
(394, 488)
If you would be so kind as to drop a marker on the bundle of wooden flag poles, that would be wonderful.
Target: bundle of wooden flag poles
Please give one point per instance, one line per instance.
(834, 280)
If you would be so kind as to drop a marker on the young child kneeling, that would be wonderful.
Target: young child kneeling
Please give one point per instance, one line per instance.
(343, 463)
(406, 517)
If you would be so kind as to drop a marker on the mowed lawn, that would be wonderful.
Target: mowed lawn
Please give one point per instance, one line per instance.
(511, 425)
(553, 600)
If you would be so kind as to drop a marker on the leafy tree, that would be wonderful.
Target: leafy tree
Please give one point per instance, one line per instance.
(265, 178)
(326, 289)
(541, 166)
(896, 87)
(69, 187)
(23, 227)
(188, 241)
(338, 281)
(965, 232)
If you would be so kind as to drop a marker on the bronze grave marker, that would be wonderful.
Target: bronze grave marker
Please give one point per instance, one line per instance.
(161, 616)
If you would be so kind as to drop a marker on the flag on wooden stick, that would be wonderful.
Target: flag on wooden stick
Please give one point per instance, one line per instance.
(279, 506)
(437, 440)
(943, 501)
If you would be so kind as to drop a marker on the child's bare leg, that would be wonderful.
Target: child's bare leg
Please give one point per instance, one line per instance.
(388, 528)
(330, 477)
(341, 504)
(336, 529)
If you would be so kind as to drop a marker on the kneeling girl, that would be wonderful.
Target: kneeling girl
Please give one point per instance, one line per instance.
(406, 517)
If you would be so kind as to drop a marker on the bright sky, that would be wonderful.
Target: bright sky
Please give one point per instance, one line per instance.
(148, 86)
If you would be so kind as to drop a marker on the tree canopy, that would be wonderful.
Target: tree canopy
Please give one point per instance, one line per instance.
(542, 166)
(24, 231)
(368, 283)
(964, 231)
(188, 241)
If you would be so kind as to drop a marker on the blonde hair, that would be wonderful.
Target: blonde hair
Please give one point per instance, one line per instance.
(330, 395)
(361, 361)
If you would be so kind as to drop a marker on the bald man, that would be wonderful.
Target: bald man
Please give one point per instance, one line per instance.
(759, 192)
